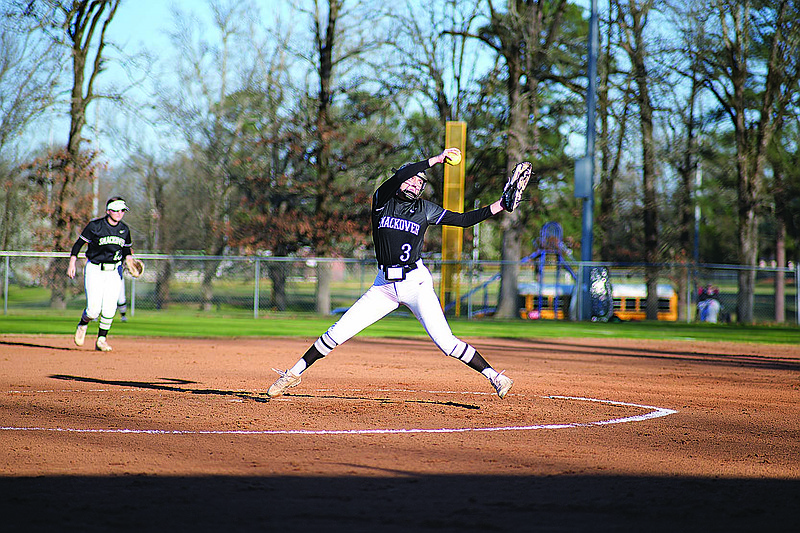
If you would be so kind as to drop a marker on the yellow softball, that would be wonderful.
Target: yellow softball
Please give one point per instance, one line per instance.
(453, 157)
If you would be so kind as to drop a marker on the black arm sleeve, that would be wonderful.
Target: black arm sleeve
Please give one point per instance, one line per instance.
(76, 248)
(127, 249)
(389, 187)
(465, 220)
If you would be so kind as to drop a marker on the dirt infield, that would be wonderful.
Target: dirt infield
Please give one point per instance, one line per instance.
(390, 435)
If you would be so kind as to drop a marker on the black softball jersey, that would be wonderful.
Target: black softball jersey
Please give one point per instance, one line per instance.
(399, 225)
(107, 243)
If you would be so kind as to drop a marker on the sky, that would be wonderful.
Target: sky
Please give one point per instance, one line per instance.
(145, 25)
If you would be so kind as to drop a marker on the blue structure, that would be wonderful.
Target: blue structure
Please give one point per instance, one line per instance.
(551, 241)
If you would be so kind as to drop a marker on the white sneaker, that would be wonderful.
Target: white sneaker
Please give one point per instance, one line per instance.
(101, 345)
(502, 384)
(287, 380)
(80, 334)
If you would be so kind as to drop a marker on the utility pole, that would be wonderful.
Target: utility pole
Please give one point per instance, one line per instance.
(584, 168)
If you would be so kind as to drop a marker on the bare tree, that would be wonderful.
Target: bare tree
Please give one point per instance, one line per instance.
(613, 110)
(80, 26)
(632, 20)
(684, 128)
(434, 56)
(210, 67)
(340, 41)
(28, 76)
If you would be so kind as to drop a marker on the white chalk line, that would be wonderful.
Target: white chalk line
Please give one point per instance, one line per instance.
(654, 412)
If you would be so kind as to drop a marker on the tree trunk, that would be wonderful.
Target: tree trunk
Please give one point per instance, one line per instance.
(59, 283)
(748, 229)
(509, 268)
(636, 49)
(277, 275)
(323, 292)
(748, 245)
(163, 277)
(207, 286)
(518, 111)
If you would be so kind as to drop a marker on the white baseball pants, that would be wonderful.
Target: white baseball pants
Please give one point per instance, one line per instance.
(415, 292)
(102, 289)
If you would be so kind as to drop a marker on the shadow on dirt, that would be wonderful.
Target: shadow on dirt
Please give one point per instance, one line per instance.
(36, 345)
(394, 504)
(547, 348)
(171, 384)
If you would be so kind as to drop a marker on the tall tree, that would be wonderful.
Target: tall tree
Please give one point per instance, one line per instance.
(614, 102)
(211, 67)
(340, 38)
(305, 165)
(525, 35)
(784, 160)
(751, 61)
(80, 26)
(684, 125)
(632, 19)
(435, 59)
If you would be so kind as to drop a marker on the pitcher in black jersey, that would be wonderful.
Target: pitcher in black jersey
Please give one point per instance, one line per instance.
(399, 221)
(109, 240)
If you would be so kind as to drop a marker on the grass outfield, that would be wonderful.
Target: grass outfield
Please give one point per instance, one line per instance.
(195, 324)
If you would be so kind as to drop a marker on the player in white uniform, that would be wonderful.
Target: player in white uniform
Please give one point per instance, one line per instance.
(399, 221)
(109, 241)
(122, 303)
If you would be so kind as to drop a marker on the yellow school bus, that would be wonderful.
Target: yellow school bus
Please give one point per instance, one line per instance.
(630, 301)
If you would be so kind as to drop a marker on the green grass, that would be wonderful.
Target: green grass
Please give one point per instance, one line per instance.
(191, 323)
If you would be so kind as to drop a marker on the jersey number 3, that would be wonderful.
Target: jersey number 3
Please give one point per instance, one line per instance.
(406, 255)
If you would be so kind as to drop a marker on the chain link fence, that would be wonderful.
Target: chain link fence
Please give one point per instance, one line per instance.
(260, 286)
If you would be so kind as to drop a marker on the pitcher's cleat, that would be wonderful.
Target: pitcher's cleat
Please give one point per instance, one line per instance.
(80, 335)
(502, 384)
(101, 345)
(287, 380)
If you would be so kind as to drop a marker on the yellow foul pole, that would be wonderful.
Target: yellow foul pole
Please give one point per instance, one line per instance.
(453, 196)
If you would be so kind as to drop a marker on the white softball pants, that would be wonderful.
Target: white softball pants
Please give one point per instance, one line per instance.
(102, 289)
(122, 300)
(415, 292)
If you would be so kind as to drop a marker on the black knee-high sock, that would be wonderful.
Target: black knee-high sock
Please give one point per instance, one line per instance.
(312, 355)
(478, 362)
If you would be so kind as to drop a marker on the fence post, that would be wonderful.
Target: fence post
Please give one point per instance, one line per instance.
(581, 294)
(256, 291)
(5, 288)
(797, 292)
(133, 296)
(470, 273)
(689, 293)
